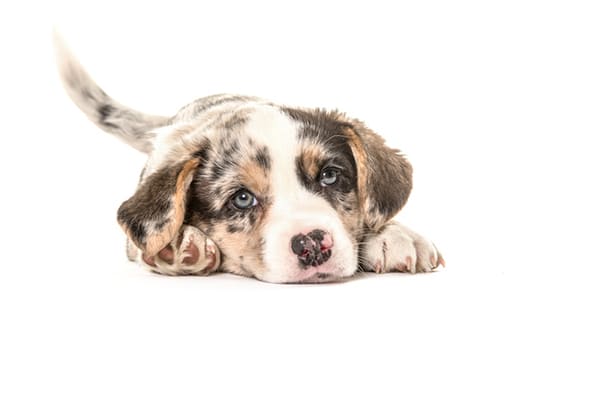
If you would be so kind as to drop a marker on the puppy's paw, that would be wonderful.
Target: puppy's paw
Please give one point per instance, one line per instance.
(191, 253)
(397, 248)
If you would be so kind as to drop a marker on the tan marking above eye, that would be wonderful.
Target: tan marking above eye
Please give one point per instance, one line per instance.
(311, 157)
(253, 177)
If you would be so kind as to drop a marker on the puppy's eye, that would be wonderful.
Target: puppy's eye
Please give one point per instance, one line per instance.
(243, 199)
(328, 176)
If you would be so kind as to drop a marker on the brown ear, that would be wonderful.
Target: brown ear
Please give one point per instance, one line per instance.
(153, 215)
(384, 175)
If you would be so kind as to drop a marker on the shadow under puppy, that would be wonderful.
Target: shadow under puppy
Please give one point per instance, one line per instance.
(242, 185)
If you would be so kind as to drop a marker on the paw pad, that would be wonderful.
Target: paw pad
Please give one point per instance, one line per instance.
(192, 253)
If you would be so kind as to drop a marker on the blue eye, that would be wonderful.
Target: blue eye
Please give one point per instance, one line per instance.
(328, 176)
(243, 199)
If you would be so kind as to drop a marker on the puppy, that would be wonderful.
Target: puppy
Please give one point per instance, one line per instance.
(242, 185)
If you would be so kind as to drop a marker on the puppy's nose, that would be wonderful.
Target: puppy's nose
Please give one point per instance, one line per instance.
(312, 249)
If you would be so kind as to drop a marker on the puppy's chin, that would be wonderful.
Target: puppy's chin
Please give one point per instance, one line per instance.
(287, 269)
(321, 274)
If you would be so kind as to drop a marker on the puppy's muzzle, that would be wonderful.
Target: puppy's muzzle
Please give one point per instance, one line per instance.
(312, 249)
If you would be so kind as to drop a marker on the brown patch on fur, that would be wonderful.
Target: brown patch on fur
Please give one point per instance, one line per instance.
(311, 158)
(254, 177)
(361, 160)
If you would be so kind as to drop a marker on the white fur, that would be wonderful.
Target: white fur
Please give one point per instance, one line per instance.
(295, 209)
(398, 248)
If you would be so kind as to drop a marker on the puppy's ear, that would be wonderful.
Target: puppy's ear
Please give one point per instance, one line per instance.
(153, 215)
(384, 175)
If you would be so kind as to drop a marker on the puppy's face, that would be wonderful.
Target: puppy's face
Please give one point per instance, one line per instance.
(286, 194)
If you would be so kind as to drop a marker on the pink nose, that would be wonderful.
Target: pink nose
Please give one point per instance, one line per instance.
(312, 249)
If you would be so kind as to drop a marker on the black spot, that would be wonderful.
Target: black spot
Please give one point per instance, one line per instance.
(263, 159)
(217, 171)
(137, 231)
(235, 121)
(231, 228)
(221, 167)
(227, 160)
(200, 204)
(202, 153)
(232, 150)
(105, 111)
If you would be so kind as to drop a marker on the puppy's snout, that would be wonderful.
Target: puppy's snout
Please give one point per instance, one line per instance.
(312, 249)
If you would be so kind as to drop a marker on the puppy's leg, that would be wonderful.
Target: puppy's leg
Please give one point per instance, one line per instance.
(191, 253)
(398, 248)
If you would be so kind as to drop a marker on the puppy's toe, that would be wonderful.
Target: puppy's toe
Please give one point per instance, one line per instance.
(199, 255)
(428, 256)
(167, 254)
(400, 249)
(191, 253)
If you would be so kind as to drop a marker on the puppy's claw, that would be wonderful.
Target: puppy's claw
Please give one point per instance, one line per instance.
(378, 268)
(441, 261)
(411, 266)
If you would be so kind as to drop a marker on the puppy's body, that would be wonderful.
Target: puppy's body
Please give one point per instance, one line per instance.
(242, 185)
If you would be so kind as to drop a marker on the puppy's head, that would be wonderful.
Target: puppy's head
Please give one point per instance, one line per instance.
(286, 194)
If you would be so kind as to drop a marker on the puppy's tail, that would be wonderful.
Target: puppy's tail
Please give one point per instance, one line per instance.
(133, 127)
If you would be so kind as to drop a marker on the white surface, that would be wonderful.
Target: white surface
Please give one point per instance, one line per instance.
(497, 108)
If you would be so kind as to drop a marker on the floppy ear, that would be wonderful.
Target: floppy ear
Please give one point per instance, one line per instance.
(384, 175)
(153, 215)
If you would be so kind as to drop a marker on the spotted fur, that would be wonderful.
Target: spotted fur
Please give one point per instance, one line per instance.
(219, 146)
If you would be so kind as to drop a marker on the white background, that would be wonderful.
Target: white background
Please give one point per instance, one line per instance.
(495, 103)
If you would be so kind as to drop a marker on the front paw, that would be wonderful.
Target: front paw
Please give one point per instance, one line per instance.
(397, 248)
(190, 253)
